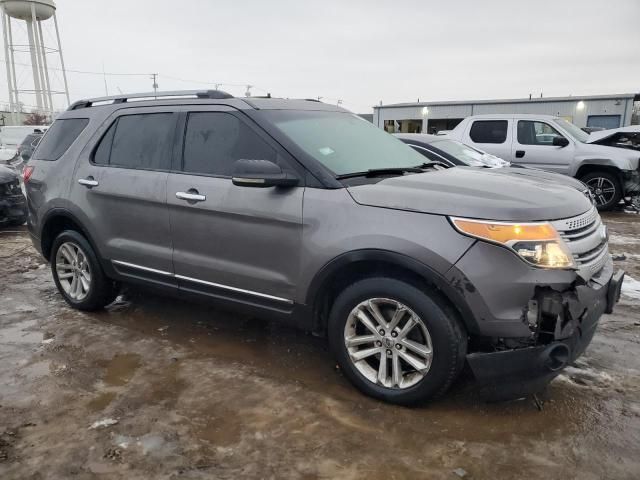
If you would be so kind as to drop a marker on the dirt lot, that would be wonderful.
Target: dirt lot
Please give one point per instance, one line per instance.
(201, 393)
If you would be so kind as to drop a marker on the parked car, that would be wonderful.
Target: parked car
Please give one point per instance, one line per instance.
(305, 212)
(28, 145)
(11, 137)
(611, 173)
(13, 206)
(452, 153)
(625, 137)
(591, 129)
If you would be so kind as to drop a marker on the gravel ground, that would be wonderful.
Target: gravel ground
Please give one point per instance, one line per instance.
(160, 388)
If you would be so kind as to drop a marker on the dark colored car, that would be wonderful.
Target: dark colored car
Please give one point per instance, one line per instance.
(13, 206)
(28, 145)
(452, 153)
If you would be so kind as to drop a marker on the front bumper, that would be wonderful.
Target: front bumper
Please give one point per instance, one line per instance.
(573, 316)
(12, 208)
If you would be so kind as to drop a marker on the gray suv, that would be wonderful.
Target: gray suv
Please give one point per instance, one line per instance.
(304, 212)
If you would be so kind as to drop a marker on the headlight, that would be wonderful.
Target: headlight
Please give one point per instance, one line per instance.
(537, 243)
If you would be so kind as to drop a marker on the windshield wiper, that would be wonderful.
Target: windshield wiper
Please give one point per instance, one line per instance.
(374, 172)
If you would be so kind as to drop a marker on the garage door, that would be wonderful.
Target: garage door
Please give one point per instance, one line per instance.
(604, 121)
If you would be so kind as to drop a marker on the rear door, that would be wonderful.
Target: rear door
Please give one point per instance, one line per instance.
(238, 243)
(120, 187)
(533, 146)
(492, 136)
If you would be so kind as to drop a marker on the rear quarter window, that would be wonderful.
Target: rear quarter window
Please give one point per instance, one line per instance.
(59, 138)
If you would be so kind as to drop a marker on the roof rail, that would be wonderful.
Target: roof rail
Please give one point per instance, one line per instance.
(123, 98)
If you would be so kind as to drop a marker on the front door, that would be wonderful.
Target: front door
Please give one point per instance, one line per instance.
(533, 147)
(238, 243)
(120, 186)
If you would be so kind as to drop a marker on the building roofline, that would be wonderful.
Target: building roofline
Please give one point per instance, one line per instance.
(635, 96)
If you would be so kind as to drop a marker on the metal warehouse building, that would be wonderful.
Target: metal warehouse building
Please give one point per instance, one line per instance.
(608, 111)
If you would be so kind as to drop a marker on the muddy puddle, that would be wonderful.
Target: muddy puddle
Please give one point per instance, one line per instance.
(184, 390)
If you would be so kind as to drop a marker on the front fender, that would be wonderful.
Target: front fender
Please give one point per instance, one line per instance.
(618, 164)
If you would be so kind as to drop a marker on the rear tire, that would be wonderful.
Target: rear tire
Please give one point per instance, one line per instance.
(437, 329)
(78, 274)
(605, 187)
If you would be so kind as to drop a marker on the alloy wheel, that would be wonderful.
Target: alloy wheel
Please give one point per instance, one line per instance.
(73, 271)
(388, 343)
(603, 190)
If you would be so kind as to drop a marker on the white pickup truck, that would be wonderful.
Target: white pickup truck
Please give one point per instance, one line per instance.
(554, 144)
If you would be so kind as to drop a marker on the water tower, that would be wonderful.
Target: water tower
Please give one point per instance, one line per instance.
(28, 48)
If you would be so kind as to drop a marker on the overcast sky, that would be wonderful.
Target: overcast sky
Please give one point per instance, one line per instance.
(362, 52)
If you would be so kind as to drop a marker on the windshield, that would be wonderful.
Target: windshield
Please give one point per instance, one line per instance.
(343, 142)
(575, 132)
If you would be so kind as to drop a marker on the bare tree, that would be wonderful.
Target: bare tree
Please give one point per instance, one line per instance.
(35, 118)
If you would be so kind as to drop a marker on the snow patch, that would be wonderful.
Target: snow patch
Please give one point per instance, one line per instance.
(631, 287)
(623, 239)
(105, 422)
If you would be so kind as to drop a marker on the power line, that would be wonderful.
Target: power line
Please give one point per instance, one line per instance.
(155, 76)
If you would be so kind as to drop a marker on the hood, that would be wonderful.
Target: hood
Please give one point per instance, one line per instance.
(603, 134)
(543, 175)
(475, 193)
(7, 175)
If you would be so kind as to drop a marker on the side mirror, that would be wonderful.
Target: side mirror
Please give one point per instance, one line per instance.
(261, 174)
(560, 142)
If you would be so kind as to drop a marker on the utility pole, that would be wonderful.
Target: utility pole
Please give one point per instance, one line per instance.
(154, 77)
(104, 77)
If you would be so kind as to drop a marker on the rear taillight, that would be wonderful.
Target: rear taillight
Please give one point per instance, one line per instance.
(26, 173)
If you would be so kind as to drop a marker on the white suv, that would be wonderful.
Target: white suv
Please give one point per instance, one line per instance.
(554, 144)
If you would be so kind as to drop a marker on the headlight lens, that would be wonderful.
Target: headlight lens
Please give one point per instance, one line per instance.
(536, 243)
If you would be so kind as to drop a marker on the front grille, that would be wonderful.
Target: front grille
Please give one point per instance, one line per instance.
(585, 235)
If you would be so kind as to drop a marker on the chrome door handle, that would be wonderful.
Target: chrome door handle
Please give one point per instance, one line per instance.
(88, 182)
(191, 197)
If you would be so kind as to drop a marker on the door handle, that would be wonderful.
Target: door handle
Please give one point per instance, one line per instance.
(191, 196)
(519, 153)
(88, 182)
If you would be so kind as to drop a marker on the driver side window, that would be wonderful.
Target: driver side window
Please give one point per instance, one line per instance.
(536, 133)
(215, 140)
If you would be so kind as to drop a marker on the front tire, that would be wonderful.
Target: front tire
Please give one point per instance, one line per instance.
(78, 274)
(605, 187)
(395, 342)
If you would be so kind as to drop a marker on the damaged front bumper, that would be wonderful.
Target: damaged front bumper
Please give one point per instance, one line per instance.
(13, 209)
(562, 325)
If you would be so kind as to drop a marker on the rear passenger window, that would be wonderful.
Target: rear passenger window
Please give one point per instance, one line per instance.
(141, 141)
(489, 131)
(215, 140)
(59, 138)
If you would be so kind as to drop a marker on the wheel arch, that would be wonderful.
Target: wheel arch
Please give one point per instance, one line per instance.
(598, 165)
(57, 221)
(352, 266)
